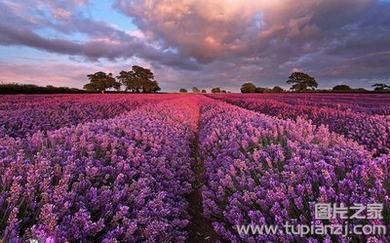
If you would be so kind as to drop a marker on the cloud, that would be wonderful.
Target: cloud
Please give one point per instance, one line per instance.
(277, 36)
(103, 40)
(209, 30)
(213, 43)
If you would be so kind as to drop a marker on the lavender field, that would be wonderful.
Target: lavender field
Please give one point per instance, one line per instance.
(190, 167)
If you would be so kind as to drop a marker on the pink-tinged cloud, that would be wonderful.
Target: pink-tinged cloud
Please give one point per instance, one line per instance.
(209, 30)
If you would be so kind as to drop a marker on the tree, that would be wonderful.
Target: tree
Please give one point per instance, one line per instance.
(302, 82)
(361, 90)
(260, 90)
(277, 89)
(381, 87)
(129, 80)
(101, 81)
(204, 91)
(150, 87)
(15, 88)
(216, 90)
(138, 79)
(117, 86)
(90, 87)
(248, 88)
(341, 87)
(183, 90)
(195, 90)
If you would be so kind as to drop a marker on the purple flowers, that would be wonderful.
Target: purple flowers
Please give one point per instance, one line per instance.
(83, 168)
(29, 114)
(372, 131)
(262, 170)
(123, 178)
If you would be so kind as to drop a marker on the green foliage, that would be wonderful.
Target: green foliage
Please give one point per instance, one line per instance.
(129, 80)
(204, 91)
(302, 82)
(342, 87)
(260, 90)
(381, 87)
(182, 90)
(195, 90)
(361, 90)
(150, 87)
(251, 88)
(248, 88)
(90, 87)
(139, 79)
(216, 90)
(277, 89)
(100, 81)
(14, 88)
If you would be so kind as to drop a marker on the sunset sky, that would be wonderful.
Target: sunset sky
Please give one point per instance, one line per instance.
(199, 43)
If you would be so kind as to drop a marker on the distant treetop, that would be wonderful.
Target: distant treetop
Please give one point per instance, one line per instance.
(302, 82)
(216, 90)
(195, 90)
(381, 87)
(341, 87)
(248, 88)
(15, 88)
(251, 88)
(138, 79)
(100, 81)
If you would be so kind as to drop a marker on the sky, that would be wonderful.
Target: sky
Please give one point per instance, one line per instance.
(200, 43)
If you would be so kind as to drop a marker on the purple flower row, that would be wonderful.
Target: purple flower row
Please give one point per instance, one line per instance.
(262, 170)
(24, 115)
(120, 179)
(365, 103)
(372, 131)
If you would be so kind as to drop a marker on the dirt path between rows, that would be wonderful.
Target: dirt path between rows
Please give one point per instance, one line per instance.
(200, 228)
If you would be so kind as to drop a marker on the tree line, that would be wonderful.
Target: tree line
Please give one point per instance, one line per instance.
(196, 90)
(15, 88)
(299, 81)
(140, 79)
(302, 82)
(136, 80)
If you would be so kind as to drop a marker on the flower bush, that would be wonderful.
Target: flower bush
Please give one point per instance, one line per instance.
(119, 168)
(365, 103)
(372, 131)
(120, 179)
(28, 114)
(262, 170)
